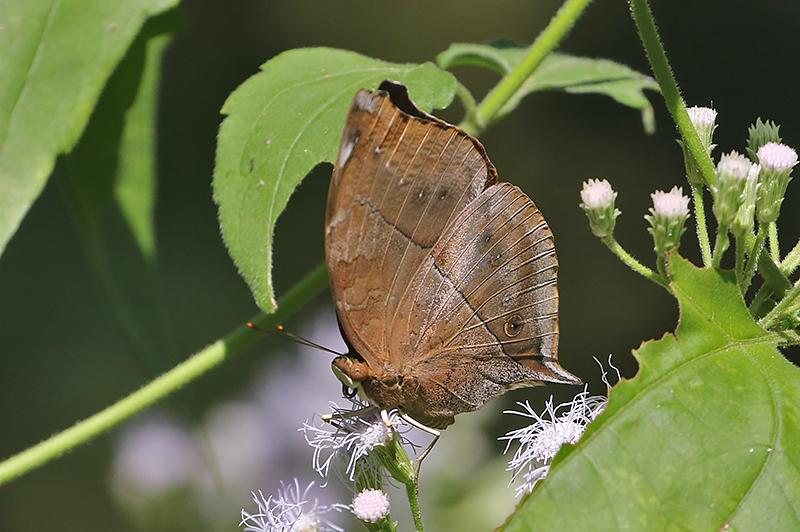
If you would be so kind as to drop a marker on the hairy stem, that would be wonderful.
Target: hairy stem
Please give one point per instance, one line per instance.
(702, 227)
(774, 248)
(740, 258)
(413, 500)
(752, 260)
(545, 43)
(180, 375)
(792, 260)
(720, 245)
(774, 315)
(471, 122)
(669, 87)
(634, 264)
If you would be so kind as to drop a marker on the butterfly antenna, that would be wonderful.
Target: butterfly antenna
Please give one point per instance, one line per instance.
(286, 335)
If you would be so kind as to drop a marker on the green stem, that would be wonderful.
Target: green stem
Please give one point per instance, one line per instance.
(792, 260)
(774, 249)
(788, 338)
(546, 42)
(702, 227)
(720, 245)
(413, 500)
(780, 309)
(471, 122)
(634, 264)
(661, 264)
(183, 373)
(752, 260)
(758, 301)
(740, 260)
(772, 275)
(669, 87)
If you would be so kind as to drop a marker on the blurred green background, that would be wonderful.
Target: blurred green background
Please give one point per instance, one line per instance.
(64, 356)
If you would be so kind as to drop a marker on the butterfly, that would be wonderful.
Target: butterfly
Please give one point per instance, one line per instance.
(444, 280)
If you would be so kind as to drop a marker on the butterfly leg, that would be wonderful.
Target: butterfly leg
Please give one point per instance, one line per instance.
(427, 429)
(344, 415)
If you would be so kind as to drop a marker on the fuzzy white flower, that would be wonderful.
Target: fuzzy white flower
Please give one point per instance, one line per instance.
(672, 204)
(702, 117)
(777, 161)
(350, 438)
(541, 440)
(598, 203)
(597, 194)
(290, 511)
(777, 157)
(371, 505)
(729, 190)
(733, 166)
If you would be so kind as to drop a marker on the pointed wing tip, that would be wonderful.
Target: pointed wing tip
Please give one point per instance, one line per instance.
(559, 375)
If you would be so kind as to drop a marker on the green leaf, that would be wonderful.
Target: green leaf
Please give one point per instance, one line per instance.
(110, 183)
(281, 123)
(135, 184)
(114, 161)
(501, 56)
(577, 75)
(705, 437)
(55, 58)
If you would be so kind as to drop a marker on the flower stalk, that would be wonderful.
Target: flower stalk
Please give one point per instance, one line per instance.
(547, 41)
(701, 225)
(645, 25)
(197, 365)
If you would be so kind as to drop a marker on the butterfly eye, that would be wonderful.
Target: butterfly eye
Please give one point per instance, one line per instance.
(513, 326)
(358, 372)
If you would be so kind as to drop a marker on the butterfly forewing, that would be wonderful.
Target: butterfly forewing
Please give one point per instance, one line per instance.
(397, 182)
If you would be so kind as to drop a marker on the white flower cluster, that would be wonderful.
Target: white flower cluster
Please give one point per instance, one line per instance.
(371, 505)
(672, 204)
(702, 118)
(350, 437)
(777, 157)
(541, 440)
(289, 511)
(597, 194)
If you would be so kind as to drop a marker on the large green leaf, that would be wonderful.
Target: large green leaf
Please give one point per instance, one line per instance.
(114, 161)
(135, 185)
(110, 180)
(705, 437)
(281, 123)
(559, 71)
(55, 58)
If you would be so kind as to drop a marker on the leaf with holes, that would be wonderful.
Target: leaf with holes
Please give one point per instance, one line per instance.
(281, 123)
(704, 437)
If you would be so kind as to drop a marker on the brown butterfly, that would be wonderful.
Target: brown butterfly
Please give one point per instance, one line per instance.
(444, 280)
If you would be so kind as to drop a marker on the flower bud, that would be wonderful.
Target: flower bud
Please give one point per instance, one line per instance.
(598, 203)
(704, 121)
(777, 161)
(371, 505)
(667, 218)
(732, 171)
(745, 217)
(759, 134)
